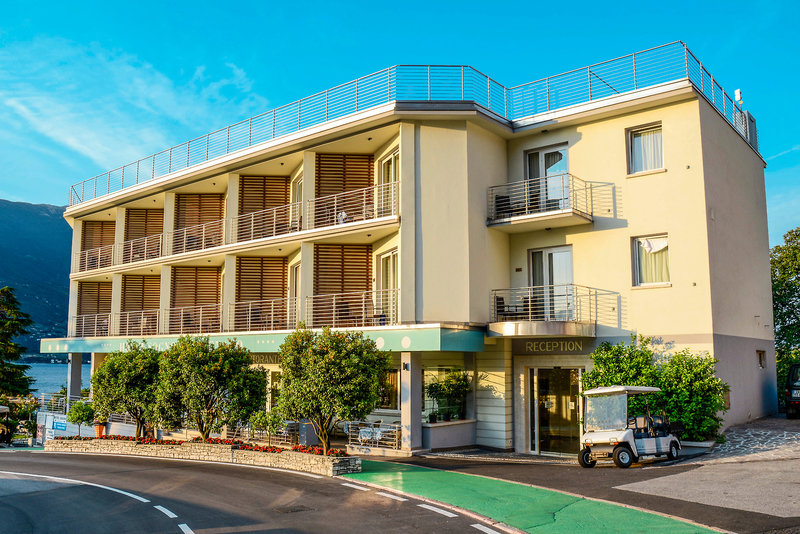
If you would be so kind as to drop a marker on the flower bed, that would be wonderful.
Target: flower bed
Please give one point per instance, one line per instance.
(307, 459)
(338, 453)
(218, 441)
(146, 441)
(72, 438)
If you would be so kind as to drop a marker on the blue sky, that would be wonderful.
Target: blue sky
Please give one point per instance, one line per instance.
(88, 86)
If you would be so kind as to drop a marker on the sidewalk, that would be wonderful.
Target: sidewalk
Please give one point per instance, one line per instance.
(525, 507)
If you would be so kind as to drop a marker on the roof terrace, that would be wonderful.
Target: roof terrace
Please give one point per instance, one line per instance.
(430, 83)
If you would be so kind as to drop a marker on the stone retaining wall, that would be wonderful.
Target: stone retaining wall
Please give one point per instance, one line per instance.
(295, 461)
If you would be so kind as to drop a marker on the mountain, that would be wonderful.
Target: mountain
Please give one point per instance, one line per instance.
(35, 248)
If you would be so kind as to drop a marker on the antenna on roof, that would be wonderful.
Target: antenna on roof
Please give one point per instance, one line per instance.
(737, 95)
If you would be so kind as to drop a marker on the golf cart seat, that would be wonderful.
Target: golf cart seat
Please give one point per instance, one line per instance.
(639, 426)
(660, 428)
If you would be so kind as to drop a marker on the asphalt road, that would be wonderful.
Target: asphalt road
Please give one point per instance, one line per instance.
(202, 497)
(607, 482)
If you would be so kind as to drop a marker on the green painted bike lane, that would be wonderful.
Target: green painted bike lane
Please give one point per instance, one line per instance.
(527, 508)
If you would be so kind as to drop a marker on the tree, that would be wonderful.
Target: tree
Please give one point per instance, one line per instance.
(13, 323)
(784, 263)
(691, 392)
(623, 365)
(209, 385)
(271, 421)
(80, 413)
(327, 375)
(126, 383)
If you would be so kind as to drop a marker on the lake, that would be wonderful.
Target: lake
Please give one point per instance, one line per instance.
(49, 377)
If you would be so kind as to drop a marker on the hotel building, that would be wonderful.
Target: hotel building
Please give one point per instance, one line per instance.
(461, 224)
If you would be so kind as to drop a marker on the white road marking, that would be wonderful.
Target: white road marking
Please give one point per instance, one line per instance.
(185, 528)
(115, 490)
(395, 497)
(484, 528)
(166, 512)
(361, 488)
(437, 510)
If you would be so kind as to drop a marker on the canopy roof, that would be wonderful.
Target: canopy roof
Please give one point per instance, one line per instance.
(619, 390)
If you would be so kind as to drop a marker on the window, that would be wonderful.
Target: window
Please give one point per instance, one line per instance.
(762, 358)
(388, 175)
(389, 393)
(645, 151)
(548, 184)
(651, 260)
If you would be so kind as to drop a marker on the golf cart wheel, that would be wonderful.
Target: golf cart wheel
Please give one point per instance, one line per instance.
(673, 451)
(623, 456)
(585, 458)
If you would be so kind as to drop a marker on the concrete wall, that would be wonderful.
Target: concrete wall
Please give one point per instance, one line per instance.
(494, 396)
(738, 250)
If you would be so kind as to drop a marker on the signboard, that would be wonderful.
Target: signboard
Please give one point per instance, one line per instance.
(266, 358)
(58, 425)
(553, 345)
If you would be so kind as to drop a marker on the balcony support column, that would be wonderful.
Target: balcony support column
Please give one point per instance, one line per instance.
(408, 240)
(74, 361)
(72, 306)
(231, 206)
(165, 297)
(471, 370)
(228, 292)
(306, 279)
(169, 223)
(98, 359)
(119, 235)
(309, 186)
(411, 400)
(116, 304)
(77, 241)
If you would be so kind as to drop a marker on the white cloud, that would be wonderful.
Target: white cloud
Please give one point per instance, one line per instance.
(108, 106)
(795, 148)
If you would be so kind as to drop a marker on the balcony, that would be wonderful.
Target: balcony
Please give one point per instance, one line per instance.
(330, 212)
(94, 325)
(352, 206)
(553, 311)
(138, 323)
(263, 315)
(539, 203)
(352, 310)
(206, 319)
(266, 223)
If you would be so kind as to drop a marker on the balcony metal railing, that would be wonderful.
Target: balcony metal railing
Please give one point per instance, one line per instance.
(96, 258)
(257, 315)
(198, 237)
(534, 196)
(205, 319)
(95, 325)
(140, 249)
(566, 302)
(138, 323)
(654, 66)
(59, 403)
(355, 310)
(368, 434)
(266, 223)
(356, 205)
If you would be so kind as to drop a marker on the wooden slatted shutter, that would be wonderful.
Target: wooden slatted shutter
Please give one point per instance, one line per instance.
(342, 268)
(257, 193)
(142, 223)
(94, 298)
(141, 292)
(195, 286)
(191, 210)
(260, 278)
(337, 173)
(97, 234)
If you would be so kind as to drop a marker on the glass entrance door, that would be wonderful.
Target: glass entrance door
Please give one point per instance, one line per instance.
(554, 410)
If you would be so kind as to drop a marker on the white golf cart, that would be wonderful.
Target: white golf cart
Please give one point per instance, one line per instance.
(610, 433)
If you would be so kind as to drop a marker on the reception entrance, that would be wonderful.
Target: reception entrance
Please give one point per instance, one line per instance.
(555, 410)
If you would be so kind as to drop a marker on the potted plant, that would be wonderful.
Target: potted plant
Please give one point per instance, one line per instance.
(434, 390)
(450, 395)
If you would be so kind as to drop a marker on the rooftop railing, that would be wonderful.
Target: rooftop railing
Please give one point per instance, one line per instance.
(429, 83)
(535, 196)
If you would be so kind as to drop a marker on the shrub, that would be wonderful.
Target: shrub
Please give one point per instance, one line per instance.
(692, 395)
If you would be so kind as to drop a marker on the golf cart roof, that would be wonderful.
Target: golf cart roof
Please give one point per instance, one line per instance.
(619, 390)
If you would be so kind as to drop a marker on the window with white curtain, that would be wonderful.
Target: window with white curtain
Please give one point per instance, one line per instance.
(651, 260)
(645, 150)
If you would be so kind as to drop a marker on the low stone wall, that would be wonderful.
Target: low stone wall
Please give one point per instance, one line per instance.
(295, 461)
